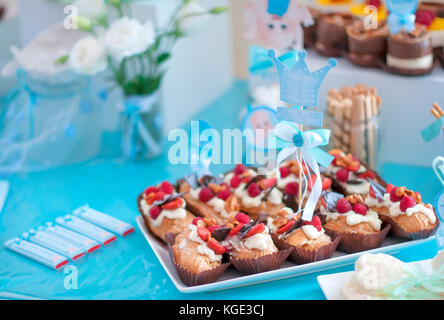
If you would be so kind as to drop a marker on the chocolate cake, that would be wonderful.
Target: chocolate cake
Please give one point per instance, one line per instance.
(366, 47)
(436, 6)
(410, 53)
(331, 33)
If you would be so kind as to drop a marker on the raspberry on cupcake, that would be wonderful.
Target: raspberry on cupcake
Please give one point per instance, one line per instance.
(360, 228)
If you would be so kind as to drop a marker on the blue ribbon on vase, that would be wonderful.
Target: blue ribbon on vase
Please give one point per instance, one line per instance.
(133, 108)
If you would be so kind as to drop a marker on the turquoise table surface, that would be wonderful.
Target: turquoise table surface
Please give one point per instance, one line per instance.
(128, 269)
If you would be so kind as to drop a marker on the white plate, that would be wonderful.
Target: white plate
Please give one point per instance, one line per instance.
(331, 284)
(231, 278)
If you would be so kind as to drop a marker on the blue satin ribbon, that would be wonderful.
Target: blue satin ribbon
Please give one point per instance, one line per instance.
(290, 139)
(260, 61)
(433, 130)
(137, 129)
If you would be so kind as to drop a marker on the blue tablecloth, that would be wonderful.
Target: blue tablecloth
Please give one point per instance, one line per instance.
(129, 269)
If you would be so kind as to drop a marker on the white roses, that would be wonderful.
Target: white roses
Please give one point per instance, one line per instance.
(192, 18)
(88, 56)
(127, 37)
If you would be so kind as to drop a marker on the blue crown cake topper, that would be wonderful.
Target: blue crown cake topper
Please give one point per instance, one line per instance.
(299, 86)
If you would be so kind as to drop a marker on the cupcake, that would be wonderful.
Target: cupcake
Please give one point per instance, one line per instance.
(409, 217)
(435, 27)
(378, 198)
(209, 197)
(327, 204)
(198, 256)
(307, 240)
(366, 47)
(256, 193)
(163, 210)
(289, 183)
(435, 6)
(410, 53)
(349, 174)
(360, 228)
(310, 31)
(331, 37)
(252, 248)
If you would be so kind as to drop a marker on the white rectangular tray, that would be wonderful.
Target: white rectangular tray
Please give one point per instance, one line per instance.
(331, 284)
(231, 278)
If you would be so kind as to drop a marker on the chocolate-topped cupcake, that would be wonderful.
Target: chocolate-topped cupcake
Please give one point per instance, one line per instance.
(366, 47)
(331, 33)
(436, 6)
(310, 31)
(410, 53)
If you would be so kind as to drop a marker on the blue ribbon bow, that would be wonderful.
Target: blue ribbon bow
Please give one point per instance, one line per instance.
(260, 61)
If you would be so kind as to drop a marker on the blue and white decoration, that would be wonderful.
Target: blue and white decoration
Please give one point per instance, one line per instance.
(300, 88)
(402, 15)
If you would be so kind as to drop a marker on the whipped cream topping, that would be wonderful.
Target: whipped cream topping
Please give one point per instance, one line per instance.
(282, 182)
(275, 196)
(217, 204)
(202, 248)
(361, 188)
(395, 210)
(311, 232)
(353, 218)
(178, 213)
(260, 241)
(372, 202)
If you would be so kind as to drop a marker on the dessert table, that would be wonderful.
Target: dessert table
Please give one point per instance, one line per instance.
(129, 269)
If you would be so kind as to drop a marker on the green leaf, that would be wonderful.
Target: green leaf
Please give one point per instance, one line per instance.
(62, 60)
(163, 57)
(218, 10)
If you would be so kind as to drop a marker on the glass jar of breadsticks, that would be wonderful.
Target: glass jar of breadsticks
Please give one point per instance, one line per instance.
(353, 117)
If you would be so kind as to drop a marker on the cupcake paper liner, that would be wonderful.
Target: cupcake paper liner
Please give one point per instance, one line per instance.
(357, 242)
(194, 279)
(265, 263)
(399, 232)
(301, 256)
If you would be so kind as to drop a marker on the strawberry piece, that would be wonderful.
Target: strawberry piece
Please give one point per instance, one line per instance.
(342, 175)
(203, 233)
(239, 169)
(150, 190)
(242, 218)
(354, 166)
(372, 193)
(228, 247)
(311, 181)
(212, 228)
(285, 227)
(425, 17)
(326, 183)
(258, 228)
(159, 196)
(315, 222)
(292, 188)
(246, 180)
(393, 196)
(407, 202)
(150, 198)
(155, 212)
(389, 188)
(166, 187)
(172, 205)
(224, 194)
(254, 190)
(268, 183)
(235, 181)
(285, 171)
(360, 208)
(216, 247)
(343, 206)
(367, 174)
(206, 194)
(236, 229)
(196, 219)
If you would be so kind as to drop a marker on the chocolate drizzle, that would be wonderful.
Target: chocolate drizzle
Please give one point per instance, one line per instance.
(378, 189)
(169, 198)
(220, 233)
(204, 181)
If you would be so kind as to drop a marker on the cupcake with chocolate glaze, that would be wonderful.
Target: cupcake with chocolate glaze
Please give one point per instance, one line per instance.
(410, 217)
(209, 197)
(306, 239)
(410, 53)
(163, 210)
(435, 27)
(366, 47)
(199, 258)
(256, 193)
(349, 174)
(360, 228)
(331, 37)
(252, 248)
